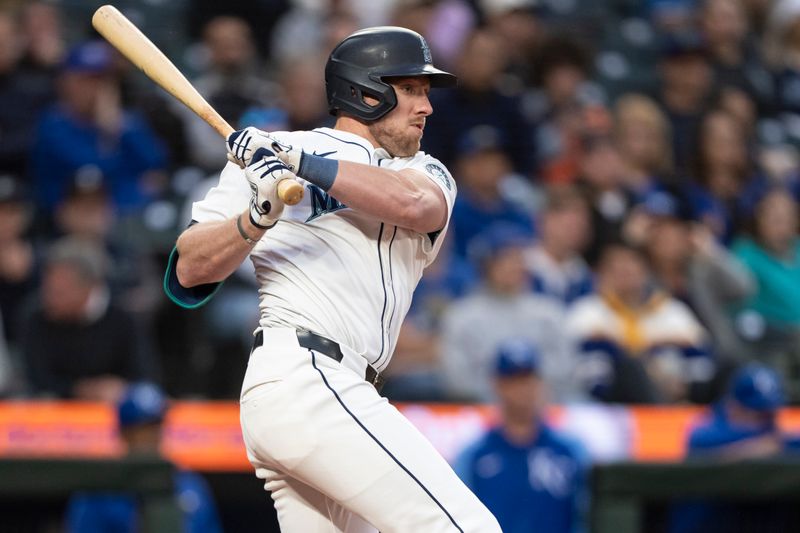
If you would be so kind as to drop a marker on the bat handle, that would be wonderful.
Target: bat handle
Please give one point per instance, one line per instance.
(290, 191)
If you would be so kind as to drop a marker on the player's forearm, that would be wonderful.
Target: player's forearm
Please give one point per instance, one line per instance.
(400, 198)
(209, 252)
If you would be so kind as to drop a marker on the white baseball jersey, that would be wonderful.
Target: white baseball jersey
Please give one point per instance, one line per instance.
(329, 269)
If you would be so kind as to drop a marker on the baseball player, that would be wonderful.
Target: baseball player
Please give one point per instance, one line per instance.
(336, 274)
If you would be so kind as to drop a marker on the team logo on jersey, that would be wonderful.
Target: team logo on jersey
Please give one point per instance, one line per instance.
(440, 174)
(322, 203)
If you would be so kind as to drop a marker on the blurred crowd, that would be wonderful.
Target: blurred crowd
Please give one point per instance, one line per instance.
(628, 193)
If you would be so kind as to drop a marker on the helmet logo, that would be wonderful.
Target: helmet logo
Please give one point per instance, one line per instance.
(426, 51)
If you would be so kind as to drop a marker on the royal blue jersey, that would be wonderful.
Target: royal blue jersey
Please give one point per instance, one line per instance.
(538, 487)
(95, 512)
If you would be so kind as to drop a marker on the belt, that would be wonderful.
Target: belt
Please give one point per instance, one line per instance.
(328, 348)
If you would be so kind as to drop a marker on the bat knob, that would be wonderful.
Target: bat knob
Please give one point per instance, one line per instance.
(290, 191)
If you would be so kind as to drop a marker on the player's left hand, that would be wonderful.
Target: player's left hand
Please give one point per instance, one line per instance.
(243, 144)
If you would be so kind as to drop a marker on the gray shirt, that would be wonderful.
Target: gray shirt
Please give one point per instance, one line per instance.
(474, 326)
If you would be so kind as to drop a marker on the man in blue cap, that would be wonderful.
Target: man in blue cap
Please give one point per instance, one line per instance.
(90, 126)
(530, 477)
(140, 414)
(742, 425)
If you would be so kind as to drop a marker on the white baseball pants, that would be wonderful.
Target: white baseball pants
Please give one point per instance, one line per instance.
(337, 457)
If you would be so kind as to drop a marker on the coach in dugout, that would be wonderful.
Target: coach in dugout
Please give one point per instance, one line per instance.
(528, 475)
(741, 426)
(140, 415)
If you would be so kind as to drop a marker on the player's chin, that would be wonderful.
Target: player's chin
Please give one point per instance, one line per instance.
(410, 148)
(415, 139)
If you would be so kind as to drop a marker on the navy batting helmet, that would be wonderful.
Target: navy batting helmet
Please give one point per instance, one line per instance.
(359, 64)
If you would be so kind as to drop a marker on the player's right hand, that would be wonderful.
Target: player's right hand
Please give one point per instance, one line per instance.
(264, 174)
(243, 144)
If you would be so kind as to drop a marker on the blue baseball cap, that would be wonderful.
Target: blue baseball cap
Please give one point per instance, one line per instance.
(667, 204)
(90, 57)
(683, 43)
(758, 387)
(481, 138)
(142, 403)
(497, 238)
(515, 357)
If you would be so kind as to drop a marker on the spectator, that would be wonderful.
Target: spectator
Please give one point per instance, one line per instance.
(757, 13)
(445, 24)
(76, 341)
(741, 426)
(559, 106)
(771, 317)
(23, 95)
(18, 258)
(311, 30)
(140, 417)
(642, 135)
(477, 100)
(43, 33)
(601, 182)
(503, 306)
(232, 82)
(88, 126)
(528, 475)
(413, 374)
(488, 190)
(782, 20)
(87, 212)
(690, 264)
(686, 85)
(782, 46)
(736, 62)
(639, 344)
(556, 264)
(672, 16)
(302, 92)
(519, 23)
(725, 181)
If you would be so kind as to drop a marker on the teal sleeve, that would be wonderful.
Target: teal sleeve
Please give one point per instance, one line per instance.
(186, 297)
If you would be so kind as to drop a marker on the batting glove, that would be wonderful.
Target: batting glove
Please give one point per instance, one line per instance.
(243, 144)
(289, 155)
(264, 174)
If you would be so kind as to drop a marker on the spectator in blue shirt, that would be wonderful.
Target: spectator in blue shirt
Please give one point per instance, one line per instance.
(481, 98)
(489, 191)
(140, 414)
(88, 126)
(528, 475)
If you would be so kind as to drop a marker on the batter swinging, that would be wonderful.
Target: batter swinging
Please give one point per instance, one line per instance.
(337, 272)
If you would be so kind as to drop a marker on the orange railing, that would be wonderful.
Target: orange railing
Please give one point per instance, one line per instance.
(206, 436)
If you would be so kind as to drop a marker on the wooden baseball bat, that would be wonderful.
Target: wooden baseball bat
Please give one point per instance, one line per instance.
(141, 51)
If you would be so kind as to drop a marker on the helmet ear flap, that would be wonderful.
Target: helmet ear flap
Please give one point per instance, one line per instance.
(347, 95)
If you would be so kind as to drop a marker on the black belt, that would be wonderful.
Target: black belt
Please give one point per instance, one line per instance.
(326, 347)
